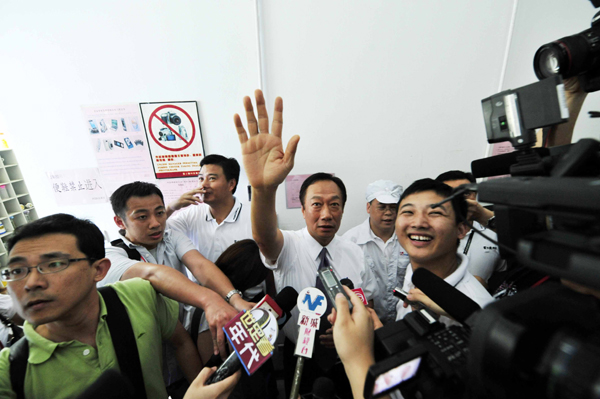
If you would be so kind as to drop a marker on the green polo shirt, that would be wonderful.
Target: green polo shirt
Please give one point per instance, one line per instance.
(65, 369)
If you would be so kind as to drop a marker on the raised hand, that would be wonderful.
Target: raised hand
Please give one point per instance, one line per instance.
(266, 164)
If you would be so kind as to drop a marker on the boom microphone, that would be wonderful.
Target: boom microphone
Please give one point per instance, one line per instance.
(455, 303)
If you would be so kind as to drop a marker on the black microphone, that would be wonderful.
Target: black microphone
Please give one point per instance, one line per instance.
(286, 299)
(110, 384)
(323, 388)
(454, 302)
(347, 282)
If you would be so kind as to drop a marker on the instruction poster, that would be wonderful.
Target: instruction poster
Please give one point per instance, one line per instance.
(174, 138)
(119, 143)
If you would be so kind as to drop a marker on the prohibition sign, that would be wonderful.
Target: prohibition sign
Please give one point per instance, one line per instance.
(154, 115)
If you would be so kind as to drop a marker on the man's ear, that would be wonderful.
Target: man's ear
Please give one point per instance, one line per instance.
(120, 223)
(463, 229)
(231, 184)
(101, 267)
(369, 208)
(303, 210)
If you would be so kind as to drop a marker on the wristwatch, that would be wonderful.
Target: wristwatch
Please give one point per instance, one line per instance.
(491, 223)
(232, 293)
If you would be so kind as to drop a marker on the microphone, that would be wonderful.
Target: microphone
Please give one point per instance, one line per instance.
(286, 299)
(454, 302)
(110, 384)
(347, 282)
(323, 388)
(279, 308)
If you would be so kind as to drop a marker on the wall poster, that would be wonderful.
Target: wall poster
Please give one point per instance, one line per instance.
(174, 138)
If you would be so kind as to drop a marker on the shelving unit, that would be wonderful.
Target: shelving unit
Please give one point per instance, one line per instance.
(16, 195)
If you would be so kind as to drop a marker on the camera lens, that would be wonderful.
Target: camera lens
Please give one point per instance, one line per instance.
(549, 60)
(176, 120)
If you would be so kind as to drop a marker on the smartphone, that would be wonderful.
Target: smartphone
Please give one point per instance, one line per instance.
(119, 144)
(124, 125)
(400, 293)
(332, 286)
(93, 128)
(128, 142)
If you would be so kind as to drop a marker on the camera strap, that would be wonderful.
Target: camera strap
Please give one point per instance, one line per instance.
(122, 337)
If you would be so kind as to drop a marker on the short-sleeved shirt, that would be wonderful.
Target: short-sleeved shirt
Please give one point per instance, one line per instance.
(387, 261)
(299, 261)
(66, 369)
(484, 256)
(460, 279)
(210, 238)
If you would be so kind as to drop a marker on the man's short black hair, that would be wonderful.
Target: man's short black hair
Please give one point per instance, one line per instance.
(455, 175)
(321, 176)
(119, 198)
(459, 204)
(230, 166)
(89, 238)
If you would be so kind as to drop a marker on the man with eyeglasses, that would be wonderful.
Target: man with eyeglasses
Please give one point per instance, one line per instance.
(484, 256)
(383, 253)
(53, 266)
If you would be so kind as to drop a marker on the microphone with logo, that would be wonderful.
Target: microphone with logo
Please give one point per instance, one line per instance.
(267, 310)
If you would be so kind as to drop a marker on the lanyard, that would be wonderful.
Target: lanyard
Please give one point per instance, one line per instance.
(469, 242)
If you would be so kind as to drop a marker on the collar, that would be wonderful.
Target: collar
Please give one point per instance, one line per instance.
(314, 248)
(166, 238)
(365, 234)
(233, 216)
(43, 348)
(453, 279)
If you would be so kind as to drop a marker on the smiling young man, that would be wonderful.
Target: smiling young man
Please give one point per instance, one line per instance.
(383, 253)
(295, 256)
(431, 237)
(164, 256)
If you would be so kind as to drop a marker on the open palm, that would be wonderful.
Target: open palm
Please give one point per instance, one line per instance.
(265, 162)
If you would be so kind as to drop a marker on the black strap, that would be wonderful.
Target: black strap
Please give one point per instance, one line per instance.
(19, 353)
(132, 253)
(16, 332)
(123, 340)
(195, 327)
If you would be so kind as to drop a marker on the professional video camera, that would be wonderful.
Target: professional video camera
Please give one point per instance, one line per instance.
(543, 342)
(576, 55)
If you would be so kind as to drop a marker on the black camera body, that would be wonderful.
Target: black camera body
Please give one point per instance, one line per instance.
(441, 353)
(576, 55)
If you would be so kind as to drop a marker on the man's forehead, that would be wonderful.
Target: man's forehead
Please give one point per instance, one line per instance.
(423, 198)
(323, 188)
(45, 245)
(211, 169)
(138, 204)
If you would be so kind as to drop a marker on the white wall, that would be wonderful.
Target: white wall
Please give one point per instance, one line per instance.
(375, 89)
(59, 55)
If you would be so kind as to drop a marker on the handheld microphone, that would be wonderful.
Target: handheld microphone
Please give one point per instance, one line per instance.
(454, 302)
(285, 300)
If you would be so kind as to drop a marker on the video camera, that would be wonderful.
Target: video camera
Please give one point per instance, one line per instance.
(543, 342)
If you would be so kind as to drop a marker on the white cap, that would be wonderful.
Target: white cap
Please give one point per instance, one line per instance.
(384, 191)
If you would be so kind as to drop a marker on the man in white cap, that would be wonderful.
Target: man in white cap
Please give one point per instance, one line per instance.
(383, 253)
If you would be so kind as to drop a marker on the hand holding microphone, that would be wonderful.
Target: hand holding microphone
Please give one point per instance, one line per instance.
(353, 336)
